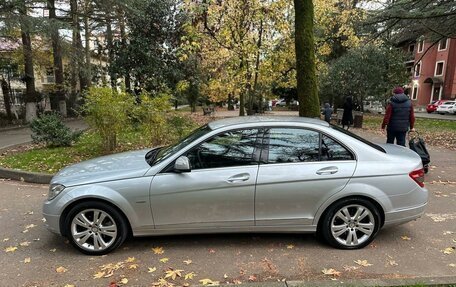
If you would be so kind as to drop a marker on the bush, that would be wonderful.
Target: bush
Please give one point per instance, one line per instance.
(106, 111)
(50, 130)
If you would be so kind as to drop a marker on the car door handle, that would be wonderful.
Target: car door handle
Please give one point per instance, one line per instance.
(327, 170)
(239, 177)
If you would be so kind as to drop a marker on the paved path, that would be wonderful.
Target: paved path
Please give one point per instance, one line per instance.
(12, 137)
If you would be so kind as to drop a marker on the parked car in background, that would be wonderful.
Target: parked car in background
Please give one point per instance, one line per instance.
(452, 110)
(374, 107)
(283, 103)
(243, 174)
(446, 107)
(432, 107)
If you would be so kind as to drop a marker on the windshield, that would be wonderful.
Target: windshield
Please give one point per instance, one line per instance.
(371, 144)
(165, 152)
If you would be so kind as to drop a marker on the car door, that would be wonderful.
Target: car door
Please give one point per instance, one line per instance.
(300, 169)
(218, 192)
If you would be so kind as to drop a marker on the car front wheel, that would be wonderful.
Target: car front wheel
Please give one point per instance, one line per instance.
(351, 224)
(96, 228)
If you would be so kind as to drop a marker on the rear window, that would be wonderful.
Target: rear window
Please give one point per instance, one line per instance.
(363, 140)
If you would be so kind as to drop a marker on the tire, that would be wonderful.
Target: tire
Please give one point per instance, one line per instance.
(347, 233)
(95, 228)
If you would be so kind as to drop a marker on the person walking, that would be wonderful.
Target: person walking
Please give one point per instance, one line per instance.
(399, 117)
(347, 117)
(327, 112)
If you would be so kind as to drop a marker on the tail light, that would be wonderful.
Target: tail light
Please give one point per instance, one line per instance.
(418, 176)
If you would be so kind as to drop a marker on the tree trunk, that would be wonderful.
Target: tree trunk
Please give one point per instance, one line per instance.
(123, 37)
(87, 34)
(57, 55)
(242, 94)
(305, 59)
(7, 99)
(109, 40)
(75, 55)
(257, 69)
(29, 78)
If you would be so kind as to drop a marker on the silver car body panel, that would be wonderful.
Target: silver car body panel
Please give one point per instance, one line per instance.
(270, 197)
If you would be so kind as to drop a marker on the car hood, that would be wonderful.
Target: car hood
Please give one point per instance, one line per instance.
(111, 167)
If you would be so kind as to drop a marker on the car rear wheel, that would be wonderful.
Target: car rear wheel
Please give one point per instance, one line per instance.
(351, 224)
(96, 228)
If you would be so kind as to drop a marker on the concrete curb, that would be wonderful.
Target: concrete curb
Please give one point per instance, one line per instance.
(26, 176)
(426, 281)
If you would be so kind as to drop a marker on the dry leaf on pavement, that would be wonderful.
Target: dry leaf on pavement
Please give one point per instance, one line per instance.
(363, 263)
(133, 266)
(151, 269)
(173, 274)
(61, 269)
(99, 275)
(164, 260)
(25, 243)
(10, 249)
(158, 250)
(448, 250)
(331, 271)
(188, 261)
(130, 259)
(406, 238)
(27, 260)
(290, 246)
(209, 282)
(189, 276)
(123, 281)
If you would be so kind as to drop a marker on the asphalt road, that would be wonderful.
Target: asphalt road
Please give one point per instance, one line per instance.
(414, 249)
(436, 116)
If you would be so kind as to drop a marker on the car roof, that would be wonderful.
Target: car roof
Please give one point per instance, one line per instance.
(263, 120)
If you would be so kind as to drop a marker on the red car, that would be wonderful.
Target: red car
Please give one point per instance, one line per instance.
(432, 107)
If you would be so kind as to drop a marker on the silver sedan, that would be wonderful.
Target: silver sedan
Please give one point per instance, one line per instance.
(249, 174)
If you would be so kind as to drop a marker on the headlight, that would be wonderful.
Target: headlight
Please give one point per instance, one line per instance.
(54, 190)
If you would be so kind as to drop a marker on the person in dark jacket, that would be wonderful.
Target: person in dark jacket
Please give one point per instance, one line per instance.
(347, 117)
(399, 117)
(327, 112)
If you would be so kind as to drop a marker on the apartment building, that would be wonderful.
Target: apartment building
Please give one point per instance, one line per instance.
(432, 67)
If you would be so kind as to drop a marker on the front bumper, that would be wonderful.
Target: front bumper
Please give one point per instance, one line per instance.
(401, 216)
(52, 223)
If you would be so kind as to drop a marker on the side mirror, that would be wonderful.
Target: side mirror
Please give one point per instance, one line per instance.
(182, 164)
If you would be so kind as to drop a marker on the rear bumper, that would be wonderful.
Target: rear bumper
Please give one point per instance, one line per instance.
(401, 216)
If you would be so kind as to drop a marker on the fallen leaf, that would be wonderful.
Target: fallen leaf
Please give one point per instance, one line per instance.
(331, 272)
(133, 266)
(188, 261)
(211, 251)
(350, 268)
(61, 269)
(405, 237)
(448, 250)
(5, 239)
(99, 275)
(30, 226)
(29, 213)
(25, 243)
(10, 249)
(164, 260)
(27, 260)
(392, 263)
(43, 219)
(130, 259)
(158, 250)
(290, 246)
(452, 265)
(173, 274)
(162, 283)
(53, 250)
(151, 270)
(237, 282)
(209, 282)
(25, 231)
(363, 263)
(69, 285)
(123, 281)
(252, 278)
(448, 232)
(189, 276)
(225, 276)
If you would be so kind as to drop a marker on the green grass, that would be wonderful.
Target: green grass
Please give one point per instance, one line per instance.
(51, 160)
(421, 124)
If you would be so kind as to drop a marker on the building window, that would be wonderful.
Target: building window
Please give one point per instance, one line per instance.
(443, 44)
(418, 69)
(412, 48)
(420, 46)
(415, 93)
(439, 68)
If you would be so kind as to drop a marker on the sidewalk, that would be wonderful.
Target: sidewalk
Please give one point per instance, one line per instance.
(13, 137)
